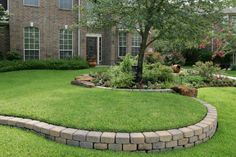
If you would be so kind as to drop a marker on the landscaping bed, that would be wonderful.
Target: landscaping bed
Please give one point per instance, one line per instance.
(47, 96)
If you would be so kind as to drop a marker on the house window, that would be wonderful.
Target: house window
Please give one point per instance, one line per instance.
(31, 43)
(100, 49)
(31, 2)
(136, 41)
(66, 46)
(122, 43)
(66, 4)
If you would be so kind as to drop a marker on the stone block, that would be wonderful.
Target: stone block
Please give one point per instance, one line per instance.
(205, 127)
(115, 147)
(60, 140)
(30, 124)
(197, 130)
(151, 137)
(13, 121)
(187, 132)
(176, 134)
(94, 136)
(72, 142)
(122, 138)
(88, 145)
(202, 136)
(158, 145)
(100, 146)
(46, 128)
(171, 144)
(164, 136)
(193, 139)
(80, 135)
(129, 147)
(145, 146)
(189, 145)
(68, 133)
(137, 138)
(56, 131)
(21, 122)
(108, 137)
(4, 120)
(183, 141)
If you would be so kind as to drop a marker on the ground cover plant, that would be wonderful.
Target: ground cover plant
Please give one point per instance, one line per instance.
(48, 96)
(26, 143)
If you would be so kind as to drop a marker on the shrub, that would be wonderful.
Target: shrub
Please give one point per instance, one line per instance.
(1, 55)
(127, 63)
(157, 73)
(222, 82)
(72, 64)
(121, 79)
(13, 55)
(207, 69)
(174, 58)
(233, 67)
(153, 57)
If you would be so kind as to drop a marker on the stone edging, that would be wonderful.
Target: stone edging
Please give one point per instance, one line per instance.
(138, 90)
(146, 141)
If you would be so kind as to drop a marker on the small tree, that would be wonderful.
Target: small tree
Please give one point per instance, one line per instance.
(187, 21)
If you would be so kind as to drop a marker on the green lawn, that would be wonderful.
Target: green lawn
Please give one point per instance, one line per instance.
(231, 73)
(48, 96)
(21, 143)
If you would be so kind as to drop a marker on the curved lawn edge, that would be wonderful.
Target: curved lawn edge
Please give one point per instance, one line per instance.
(185, 137)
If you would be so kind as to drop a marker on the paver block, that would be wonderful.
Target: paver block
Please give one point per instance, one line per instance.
(171, 144)
(115, 147)
(197, 130)
(129, 147)
(4, 120)
(21, 122)
(86, 145)
(176, 134)
(68, 133)
(193, 139)
(60, 140)
(151, 137)
(122, 138)
(159, 145)
(145, 146)
(187, 132)
(202, 136)
(100, 146)
(94, 136)
(72, 142)
(198, 142)
(189, 145)
(108, 137)
(37, 126)
(55, 131)
(183, 141)
(13, 121)
(137, 138)
(46, 128)
(80, 135)
(164, 136)
(205, 127)
(30, 124)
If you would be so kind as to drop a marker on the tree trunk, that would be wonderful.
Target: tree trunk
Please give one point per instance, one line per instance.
(139, 74)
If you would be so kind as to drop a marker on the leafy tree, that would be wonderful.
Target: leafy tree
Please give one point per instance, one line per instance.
(2, 13)
(185, 21)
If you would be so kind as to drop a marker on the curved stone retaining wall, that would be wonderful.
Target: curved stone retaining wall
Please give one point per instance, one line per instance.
(143, 141)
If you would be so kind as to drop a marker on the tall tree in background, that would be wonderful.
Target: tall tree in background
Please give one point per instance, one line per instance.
(187, 21)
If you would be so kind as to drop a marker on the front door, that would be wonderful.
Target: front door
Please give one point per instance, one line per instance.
(92, 48)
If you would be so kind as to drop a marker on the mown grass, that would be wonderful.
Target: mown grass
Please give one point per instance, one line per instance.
(48, 96)
(231, 73)
(21, 143)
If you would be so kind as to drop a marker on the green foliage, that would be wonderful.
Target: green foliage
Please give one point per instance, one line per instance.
(233, 67)
(153, 57)
(2, 13)
(13, 55)
(207, 69)
(127, 63)
(121, 79)
(174, 58)
(43, 64)
(222, 82)
(157, 73)
(1, 56)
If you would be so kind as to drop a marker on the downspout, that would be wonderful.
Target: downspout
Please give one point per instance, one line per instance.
(79, 32)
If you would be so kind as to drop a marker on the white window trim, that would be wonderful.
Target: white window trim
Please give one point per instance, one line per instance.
(31, 49)
(59, 54)
(31, 5)
(66, 9)
(98, 50)
(119, 43)
(135, 46)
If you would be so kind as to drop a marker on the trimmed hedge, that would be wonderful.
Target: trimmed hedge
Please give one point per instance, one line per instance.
(72, 64)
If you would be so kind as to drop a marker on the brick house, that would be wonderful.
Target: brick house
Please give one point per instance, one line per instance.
(39, 30)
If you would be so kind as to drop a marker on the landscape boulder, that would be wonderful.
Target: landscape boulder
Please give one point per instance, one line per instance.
(176, 68)
(186, 91)
(85, 78)
(83, 83)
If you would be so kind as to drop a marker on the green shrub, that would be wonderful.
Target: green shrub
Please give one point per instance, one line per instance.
(195, 81)
(1, 55)
(153, 57)
(207, 69)
(72, 64)
(13, 55)
(127, 63)
(174, 58)
(121, 79)
(233, 67)
(157, 73)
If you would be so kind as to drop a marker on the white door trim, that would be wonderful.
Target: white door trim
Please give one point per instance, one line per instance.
(98, 49)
